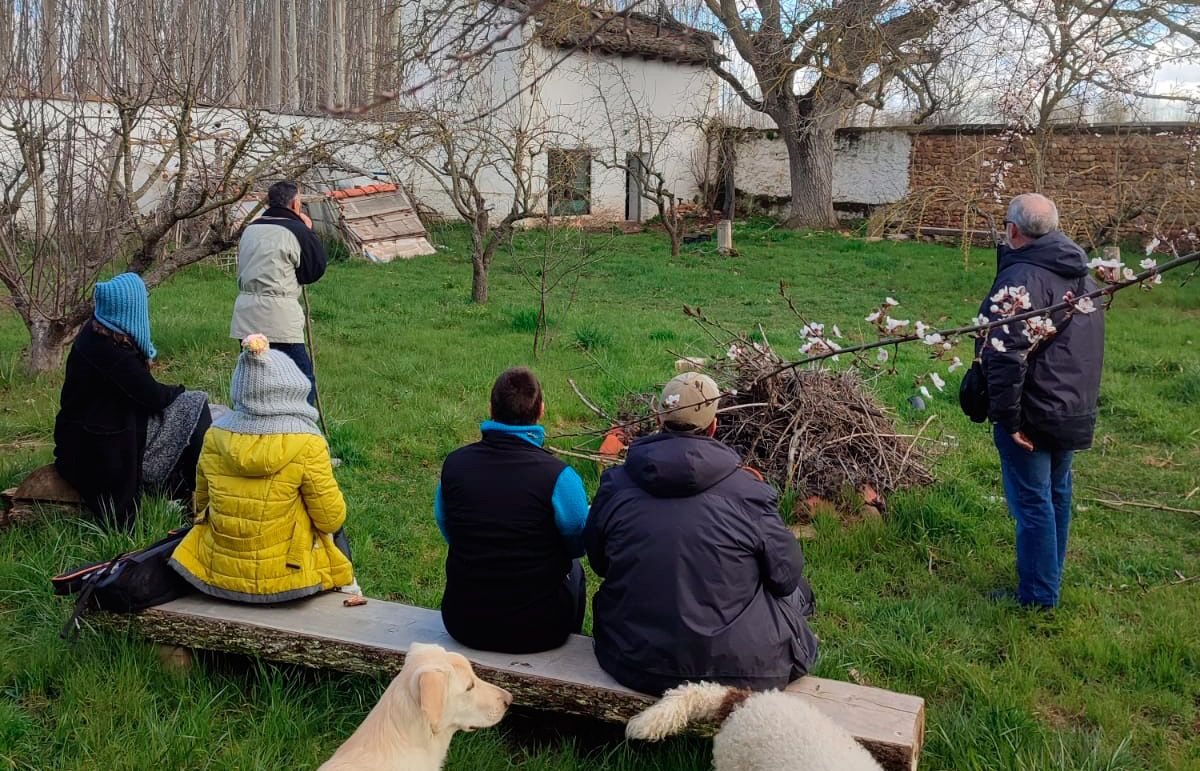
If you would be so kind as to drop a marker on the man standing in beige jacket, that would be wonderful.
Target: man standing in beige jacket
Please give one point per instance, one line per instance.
(278, 253)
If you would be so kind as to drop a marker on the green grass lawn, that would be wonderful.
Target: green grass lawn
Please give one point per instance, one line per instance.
(1110, 680)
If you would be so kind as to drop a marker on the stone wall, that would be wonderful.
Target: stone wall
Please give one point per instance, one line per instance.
(1109, 181)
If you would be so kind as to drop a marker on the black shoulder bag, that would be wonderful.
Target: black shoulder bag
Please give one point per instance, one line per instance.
(126, 583)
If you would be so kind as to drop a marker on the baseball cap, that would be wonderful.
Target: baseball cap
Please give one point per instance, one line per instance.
(690, 399)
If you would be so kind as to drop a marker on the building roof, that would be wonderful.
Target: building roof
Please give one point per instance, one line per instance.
(568, 24)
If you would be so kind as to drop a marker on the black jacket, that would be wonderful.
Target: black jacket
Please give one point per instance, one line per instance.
(108, 395)
(1050, 391)
(702, 580)
(507, 564)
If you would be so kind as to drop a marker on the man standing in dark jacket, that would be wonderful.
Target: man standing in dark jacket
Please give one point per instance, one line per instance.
(1043, 383)
(702, 581)
(277, 254)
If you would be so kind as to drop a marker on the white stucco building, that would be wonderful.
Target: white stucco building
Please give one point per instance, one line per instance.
(591, 94)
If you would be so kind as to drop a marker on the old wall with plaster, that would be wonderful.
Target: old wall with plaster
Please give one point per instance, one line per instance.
(870, 167)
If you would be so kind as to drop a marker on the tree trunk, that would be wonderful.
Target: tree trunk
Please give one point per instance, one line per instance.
(331, 52)
(810, 168)
(293, 54)
(479, 279)
(237, 55)
(50, 51)
(48, 341)
(274, 56)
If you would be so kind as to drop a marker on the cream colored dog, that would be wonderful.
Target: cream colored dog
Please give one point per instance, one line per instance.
(771, 731)
(435, 694)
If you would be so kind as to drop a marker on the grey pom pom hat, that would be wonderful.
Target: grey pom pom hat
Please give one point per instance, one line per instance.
(269, 394)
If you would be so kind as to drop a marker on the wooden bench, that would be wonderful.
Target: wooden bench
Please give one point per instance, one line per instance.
(370, 639)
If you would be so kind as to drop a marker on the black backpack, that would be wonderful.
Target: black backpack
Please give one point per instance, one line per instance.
(126, 583)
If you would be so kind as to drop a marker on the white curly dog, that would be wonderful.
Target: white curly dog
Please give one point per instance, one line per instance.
(770, 731)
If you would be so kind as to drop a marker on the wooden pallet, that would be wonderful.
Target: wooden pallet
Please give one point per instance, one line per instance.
(43, 487)
(320, 632)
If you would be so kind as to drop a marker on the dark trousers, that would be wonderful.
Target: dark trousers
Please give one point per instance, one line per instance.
(299, 354)
(1037, 487)
(576, 585)
(509, 623)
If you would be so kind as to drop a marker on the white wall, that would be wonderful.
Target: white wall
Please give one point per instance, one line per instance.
(607, 104)
(869, 167)
(214, 130)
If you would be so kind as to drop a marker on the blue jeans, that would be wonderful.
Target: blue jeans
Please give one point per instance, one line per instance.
(299, 354)
(1037, 486)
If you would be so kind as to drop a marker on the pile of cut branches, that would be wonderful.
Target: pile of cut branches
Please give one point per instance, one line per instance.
(813, 431)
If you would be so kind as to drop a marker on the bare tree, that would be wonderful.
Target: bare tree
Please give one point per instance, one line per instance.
(554, 269)
(806, 64)
(487, 170)
(149, 182)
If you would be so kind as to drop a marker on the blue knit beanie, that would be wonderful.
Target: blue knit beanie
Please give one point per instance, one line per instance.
(122, 305)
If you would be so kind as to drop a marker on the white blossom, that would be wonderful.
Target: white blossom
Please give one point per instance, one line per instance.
(882, 356)
(812, 330)
(836, 332)
(925, 393)
(937, 380)
(894, 324)
(890, 303)
(874, 317)
(671, 400)
(733, 352)
(1010, 300)
(998, 344)
(1148, 263)
(1150, 247)
(956, 364)
(933, 339)
(1038, 328)
(920, 328)
(1128, 274)
(981, 320)
(1085, 305)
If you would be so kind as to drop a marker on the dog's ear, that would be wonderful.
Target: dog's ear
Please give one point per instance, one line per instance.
(433, 686)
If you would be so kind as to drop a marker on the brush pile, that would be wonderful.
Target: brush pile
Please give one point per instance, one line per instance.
(812, 431)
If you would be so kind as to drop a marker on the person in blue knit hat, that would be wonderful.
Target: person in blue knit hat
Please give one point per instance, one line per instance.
(119, 431)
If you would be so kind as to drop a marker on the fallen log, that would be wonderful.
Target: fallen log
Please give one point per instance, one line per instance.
(43, 487)
(372, 639)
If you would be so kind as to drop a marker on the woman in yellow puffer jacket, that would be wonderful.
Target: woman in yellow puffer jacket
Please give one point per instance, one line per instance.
(267, 503)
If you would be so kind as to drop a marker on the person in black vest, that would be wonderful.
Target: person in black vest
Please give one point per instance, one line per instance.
(702, 580)
(513, 516)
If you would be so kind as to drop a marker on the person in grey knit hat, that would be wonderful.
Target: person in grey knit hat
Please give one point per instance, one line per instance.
(270, 513)
(269, 394)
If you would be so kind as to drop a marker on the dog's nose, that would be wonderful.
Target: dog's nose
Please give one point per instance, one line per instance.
(508, 698)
